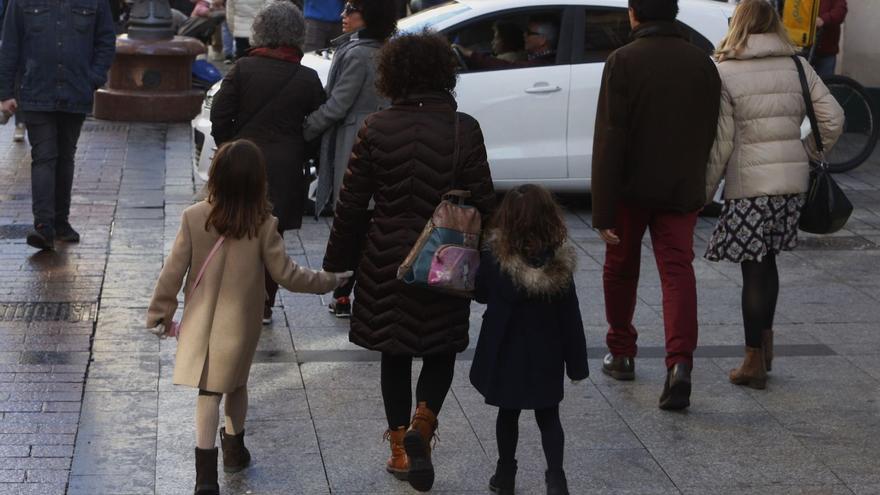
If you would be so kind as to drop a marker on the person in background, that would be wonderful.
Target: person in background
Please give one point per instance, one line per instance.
(271, 77)
(351, 97)
(532, 333)
(20, 128)
(655, 126)
(62, 58)
(832, 13)
(508, 43)
(323, 24)
(540, 40)
(759, 150)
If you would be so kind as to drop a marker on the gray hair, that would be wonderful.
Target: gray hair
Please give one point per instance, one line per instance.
(278, 23)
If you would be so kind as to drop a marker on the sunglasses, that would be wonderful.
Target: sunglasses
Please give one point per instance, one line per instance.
(350, 9)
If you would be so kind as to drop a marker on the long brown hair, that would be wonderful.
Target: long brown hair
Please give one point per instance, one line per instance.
(750, 17)
(528, 223)
(237, 190)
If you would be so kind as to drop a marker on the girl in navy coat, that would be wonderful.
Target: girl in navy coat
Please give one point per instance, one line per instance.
(532, 331)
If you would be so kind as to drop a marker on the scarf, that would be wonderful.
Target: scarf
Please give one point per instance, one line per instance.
(287, 53)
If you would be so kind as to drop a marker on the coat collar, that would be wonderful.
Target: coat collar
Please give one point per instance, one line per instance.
(657, 28)
(764, 45)
(550, 277)
(432, 98)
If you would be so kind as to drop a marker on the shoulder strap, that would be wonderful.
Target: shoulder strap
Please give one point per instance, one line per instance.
(808, 101)
(205, 264)
(266, 104)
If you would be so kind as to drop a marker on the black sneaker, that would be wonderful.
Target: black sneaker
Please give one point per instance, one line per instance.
(65, 233)
(267, 315)
(42, 237)
(340, 307)
(676, 394)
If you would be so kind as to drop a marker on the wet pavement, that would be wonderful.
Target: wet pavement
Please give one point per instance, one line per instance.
(87, 405)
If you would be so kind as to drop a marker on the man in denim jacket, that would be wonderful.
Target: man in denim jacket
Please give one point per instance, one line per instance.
(62, 50)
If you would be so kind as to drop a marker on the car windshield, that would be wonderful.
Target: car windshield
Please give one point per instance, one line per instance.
(428, 19)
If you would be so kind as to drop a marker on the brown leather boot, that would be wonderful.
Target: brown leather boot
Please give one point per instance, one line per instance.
(398, 463)
(206, 472)
(417, 443)
(752, 373)
(235, 455)
(767, 345)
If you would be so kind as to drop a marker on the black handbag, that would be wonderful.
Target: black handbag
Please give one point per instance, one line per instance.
(826, 208)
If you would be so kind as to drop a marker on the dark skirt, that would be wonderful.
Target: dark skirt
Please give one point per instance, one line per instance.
(750, 228)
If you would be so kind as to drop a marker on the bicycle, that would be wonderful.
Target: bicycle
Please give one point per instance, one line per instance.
(861, 128)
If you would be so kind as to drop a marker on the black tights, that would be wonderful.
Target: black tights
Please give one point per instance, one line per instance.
(759, 294)
(552, 436)
(434, 382)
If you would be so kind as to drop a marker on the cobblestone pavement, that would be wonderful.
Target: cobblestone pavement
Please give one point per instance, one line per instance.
(87, 405)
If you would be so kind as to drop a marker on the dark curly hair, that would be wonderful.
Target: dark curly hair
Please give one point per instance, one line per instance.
(380, 17)
(416, 63)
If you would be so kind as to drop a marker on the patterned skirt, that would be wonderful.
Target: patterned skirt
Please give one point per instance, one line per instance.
(750, 228)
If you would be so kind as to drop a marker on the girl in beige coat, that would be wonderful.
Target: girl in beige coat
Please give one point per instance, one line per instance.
(222, 315)
(765, 163)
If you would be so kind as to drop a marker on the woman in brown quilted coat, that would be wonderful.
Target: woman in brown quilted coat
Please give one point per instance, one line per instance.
(403, 162)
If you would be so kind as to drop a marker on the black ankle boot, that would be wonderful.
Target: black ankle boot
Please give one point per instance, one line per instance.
(503, 482)
(556, 482)
(206, 472)
(235, 455)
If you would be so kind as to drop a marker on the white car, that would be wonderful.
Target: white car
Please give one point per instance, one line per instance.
(537, 121)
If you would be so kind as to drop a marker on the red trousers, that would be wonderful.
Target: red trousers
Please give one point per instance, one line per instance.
(672, 237)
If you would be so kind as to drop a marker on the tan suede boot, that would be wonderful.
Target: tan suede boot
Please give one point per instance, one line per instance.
(417, 443)
(398, 463)
(752, 372)
(767, 345)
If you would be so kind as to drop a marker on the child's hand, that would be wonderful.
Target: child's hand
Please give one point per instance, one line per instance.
(158, 331)
(342, 278)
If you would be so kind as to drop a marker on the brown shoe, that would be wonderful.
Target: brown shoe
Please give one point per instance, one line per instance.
(417, 443)
(767, 345)
(235, 455)
(398, 463)
(752, 373)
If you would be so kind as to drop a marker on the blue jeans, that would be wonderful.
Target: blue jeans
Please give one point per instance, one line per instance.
(825, 65)
(53, 137)
(228, 41)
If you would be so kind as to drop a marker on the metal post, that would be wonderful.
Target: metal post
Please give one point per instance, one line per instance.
(150, 20)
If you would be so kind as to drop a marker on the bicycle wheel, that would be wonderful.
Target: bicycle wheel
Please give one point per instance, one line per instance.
(860, 126)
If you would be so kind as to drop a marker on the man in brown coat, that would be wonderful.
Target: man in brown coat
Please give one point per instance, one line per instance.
(656, 121)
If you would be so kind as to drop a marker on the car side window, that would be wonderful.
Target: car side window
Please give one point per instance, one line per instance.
(510, 40)
(605, 30)
(696, 38)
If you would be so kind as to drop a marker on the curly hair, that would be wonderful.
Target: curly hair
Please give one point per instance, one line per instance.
(413, 63)
(278, 23)
(380, 18)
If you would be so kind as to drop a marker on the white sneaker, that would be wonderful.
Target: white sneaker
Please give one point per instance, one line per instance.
(18, 135)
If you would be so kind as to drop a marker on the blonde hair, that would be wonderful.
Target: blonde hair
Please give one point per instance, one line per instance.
(750, 17)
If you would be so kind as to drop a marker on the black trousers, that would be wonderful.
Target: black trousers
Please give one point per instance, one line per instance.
(433, 385)
(53, 137)
(242, 45)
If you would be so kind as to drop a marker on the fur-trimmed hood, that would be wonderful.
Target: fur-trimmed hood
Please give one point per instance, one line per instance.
(546, 280)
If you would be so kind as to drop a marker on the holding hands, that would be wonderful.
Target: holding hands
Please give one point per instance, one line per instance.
(342, 277)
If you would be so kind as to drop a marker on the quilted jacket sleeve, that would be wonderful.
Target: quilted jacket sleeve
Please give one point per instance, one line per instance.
(723, 147)
(352, 209)
(829, 114)
(164, 302)
(284, 270)
(475, 176)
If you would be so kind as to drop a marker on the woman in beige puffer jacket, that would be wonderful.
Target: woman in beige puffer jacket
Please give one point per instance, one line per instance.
(765, 163)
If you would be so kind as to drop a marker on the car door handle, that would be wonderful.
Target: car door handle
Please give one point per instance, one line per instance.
(542, 88)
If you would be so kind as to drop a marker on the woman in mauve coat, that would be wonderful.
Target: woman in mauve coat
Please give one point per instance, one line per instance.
(403, 163)
(265, 98)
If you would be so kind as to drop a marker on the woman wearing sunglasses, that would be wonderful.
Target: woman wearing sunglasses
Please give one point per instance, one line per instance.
(351, 96)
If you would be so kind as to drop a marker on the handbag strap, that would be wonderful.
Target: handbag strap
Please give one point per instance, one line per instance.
(808, 101)
(205, 264)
